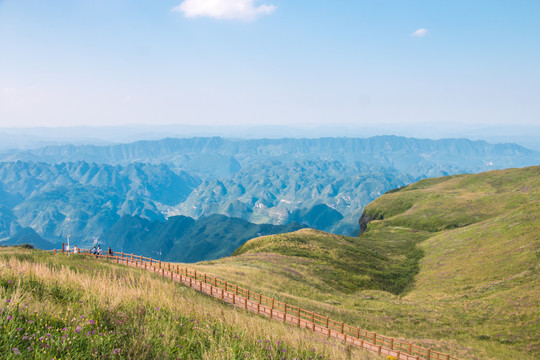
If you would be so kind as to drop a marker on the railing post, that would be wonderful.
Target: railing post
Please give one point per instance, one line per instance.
(236, 290)
(284, 311)
(391, 343)
(342, 327)
(160, 264)
(379, 349)
(131, 257)
(410, 348)
(247, 296)
(361, 343)
(122, 254)
(428, 355)
(205, 278)
(225, 285)
(357, 333)
(374, 338)
(298, 315)
(272, 308)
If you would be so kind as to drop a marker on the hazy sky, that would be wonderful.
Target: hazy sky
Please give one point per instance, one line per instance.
(295, 62)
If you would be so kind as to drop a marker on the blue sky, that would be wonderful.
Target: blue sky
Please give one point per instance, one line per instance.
(272, 62)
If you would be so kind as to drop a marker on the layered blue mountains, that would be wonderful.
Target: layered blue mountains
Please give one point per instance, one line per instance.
(192, 199)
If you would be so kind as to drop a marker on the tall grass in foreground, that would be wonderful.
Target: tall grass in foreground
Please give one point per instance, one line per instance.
(54, 306)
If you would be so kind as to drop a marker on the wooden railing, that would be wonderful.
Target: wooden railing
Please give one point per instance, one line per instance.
(274, 309)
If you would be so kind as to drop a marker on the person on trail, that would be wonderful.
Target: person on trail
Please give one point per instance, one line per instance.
(75, 249)
(99, 251)
(110, 251)
(93, 251)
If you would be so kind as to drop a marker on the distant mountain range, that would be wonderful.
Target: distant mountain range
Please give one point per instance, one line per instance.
(88, 191)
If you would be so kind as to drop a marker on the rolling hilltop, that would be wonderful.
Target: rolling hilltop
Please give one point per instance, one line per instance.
(450, 259)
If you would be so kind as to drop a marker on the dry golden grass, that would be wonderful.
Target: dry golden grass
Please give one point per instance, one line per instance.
(113, 289)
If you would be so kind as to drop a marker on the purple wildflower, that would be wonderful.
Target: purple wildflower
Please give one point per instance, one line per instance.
(91, 322)
(9, 317)
(8, 300)
(116, 351)
(78, 329)
(16, 351)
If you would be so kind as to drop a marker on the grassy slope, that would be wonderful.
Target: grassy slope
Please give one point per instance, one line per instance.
(54, 306)
(476, 293)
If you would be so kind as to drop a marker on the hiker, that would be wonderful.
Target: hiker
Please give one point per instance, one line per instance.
(110, 251)
(99, 251)
(75, 249)
(93, 251)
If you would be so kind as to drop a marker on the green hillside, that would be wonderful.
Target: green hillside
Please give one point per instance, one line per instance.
(450, 262)
(76, 307)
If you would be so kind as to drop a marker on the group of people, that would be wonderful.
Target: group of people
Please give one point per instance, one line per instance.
(98, 251)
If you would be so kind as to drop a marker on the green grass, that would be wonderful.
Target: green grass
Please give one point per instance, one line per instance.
(55, 306)
(452, 263)
(342, 263)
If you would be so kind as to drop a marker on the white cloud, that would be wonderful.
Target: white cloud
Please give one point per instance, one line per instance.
(420, 32)
(223, 9)
(127, 99)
